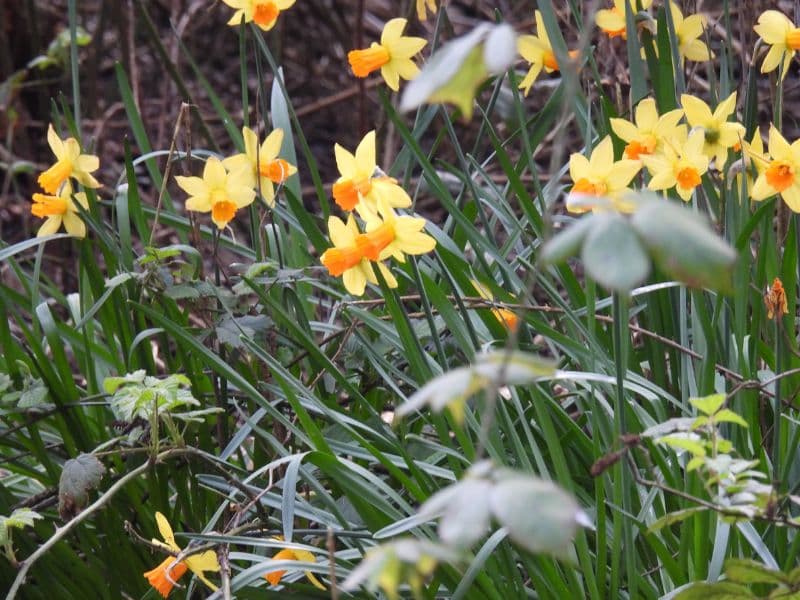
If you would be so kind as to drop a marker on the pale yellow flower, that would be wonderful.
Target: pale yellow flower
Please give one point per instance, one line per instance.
(720, 134)
(538, 51)
(392, 55)
(599, 177)
(649, 130)
(782, 175)
(681, 167)
(612, 20)
(422, 14)
(389, 235)
(688, 32)
(777, 30)
(60, 209)
(263, 13)
(217, 191)
(69, 163)
(274, 577)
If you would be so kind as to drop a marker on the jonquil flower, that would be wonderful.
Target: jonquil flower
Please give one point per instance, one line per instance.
(217, 191)
(263, 13)
(362, 183)
(274, 577)
(164, 576)
(649, 131)
(538, 51)
(598, 177)
(505, 316)
(261, 165)
(777, 30)
(60, 209)
(719, 133)
(782, 175)
(612, 20)
(347, 259)
(69, 163)
(688, 32)
(392, 56)
(681, 168)
(390, 235)
(422, 14)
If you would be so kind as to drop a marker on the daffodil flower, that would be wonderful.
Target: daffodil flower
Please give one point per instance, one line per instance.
(261, 165)
(780, 33)
(60, 209)
(69, 163)
(164, 576)
(389, 235)
(274, 577)
(263, 13)
(600, 177)
(347, 259)
(688, 32)
(505, 316)
(538, 51)
(681, 168)
(782, 175)
(392, 56)
(647, 134)
(218, 192)
(422, 14)
(362, 183)
(719, 133)
(612, 20)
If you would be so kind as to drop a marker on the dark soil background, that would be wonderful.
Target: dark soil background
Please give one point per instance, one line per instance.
(311, 41)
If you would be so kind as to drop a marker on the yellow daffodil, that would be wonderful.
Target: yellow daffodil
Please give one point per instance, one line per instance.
(600, 177)
(681, 168)
(782, 174)
(536, 49)
(164, 576)
(60, 209)
(263, 13)
(362, 183)
(69, 163)
(261, 165)
(649, 131)
(217, 191)
(688, 32)
(612, 20)
(274, 577)
(392, 56)
(389, 235)
(719, 133)
(347, 259)
(422, 13)
(777, 30)
(505, 316)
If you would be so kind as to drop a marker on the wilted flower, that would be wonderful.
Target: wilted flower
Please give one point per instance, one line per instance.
(392, 56)
(775, 300)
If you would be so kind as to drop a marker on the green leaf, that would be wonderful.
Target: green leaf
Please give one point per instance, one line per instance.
(740, 570)
(613, 255)
(682, 443)
(79, 476)
(722, 590)
(21, 518)
(675, 517)
(683, 246)
(726, 415)
(708, 405)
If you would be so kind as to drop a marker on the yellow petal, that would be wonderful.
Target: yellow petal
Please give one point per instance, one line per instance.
(55, 143)
(779, 148)
(165, 530)
(646, 114)
(365, 153)
(697, 112)
(392, 31)
(773, 26)
(271, 146)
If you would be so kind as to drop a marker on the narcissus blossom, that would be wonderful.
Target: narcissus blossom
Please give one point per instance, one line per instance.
(218, 192)
(688, 32)
(720, 134)
(681, 167)
(389, 235)
(392, 56)
(600, 177)
(261, 165)
(422, 13)
(362, 183)
(164, 576)
(505, 316)
(612, 20)
(777, 30)
(69, 163)
(538, 51)
(782, 174)
(649, 130)
(347, 259)
(60, 209)
(263, 13)
(274, 577)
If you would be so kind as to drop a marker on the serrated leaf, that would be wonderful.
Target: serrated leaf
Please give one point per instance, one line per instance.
(684, 246)
(683, 443)
(613, 255)
(740, 570)
(726, 415)
(539, 515)
(708, 405)
(79, 476)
